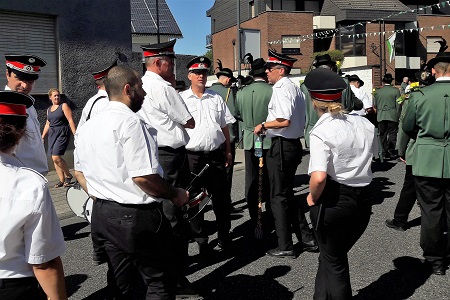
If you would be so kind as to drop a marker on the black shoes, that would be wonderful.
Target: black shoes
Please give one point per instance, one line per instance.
(310, 246)
(391, 224)
(224, 244)
(281, 253)
(435, 268)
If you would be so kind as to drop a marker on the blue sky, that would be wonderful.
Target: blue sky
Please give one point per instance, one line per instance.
(191, 18)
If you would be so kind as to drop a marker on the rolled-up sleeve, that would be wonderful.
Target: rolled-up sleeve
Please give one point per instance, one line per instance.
(139, 150)
(43, 236)
(320, 155)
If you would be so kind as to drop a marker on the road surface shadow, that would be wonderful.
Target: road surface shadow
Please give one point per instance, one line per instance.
(401, 283)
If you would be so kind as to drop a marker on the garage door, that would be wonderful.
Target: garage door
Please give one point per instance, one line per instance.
(30, 34)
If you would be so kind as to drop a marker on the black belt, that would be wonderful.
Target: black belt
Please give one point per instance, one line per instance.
(17, 282)
(204, 152)
(172, 150)
(153, 205)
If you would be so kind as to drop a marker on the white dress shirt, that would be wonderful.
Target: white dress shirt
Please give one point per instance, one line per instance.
(287, 102)
(111, 149)
(99, 106)
(30, 150)
(30, 232)
(366, 100)
(164, 110)
(343, 147)
(211, 114)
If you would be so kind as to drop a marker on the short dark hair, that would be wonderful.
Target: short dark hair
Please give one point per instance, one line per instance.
(118, 77)
(12, 128)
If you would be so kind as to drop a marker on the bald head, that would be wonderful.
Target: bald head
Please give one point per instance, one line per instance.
(117, 78)
(123, 84)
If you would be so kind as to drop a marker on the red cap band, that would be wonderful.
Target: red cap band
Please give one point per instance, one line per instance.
(199, 66)
(13, 109)
(167, 51)
(325, 97)
(22, 67)
(101, 75)
(275, 60)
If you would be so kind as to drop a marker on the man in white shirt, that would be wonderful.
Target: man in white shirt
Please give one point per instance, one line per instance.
(22, 71)
(355, 84)
(285, 124)
(99, 101)
(116, 162)
(165, 111)
(210, 132)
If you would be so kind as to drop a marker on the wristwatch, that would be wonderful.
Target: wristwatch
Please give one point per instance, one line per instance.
(262, 126)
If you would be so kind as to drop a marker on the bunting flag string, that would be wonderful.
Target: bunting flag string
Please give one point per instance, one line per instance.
(336, 32)
(358, 35)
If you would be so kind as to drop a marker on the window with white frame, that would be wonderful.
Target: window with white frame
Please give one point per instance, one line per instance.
(290, 44)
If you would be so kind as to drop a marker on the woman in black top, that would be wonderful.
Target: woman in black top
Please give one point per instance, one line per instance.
(59, 119)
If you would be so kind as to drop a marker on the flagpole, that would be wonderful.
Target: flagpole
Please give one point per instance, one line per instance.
(384, 48)
(381, 55)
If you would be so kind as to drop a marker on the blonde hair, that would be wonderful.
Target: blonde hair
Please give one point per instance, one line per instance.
(50, 91)
(334, 108)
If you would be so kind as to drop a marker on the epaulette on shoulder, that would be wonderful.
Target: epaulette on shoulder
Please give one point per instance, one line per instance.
(36, 172)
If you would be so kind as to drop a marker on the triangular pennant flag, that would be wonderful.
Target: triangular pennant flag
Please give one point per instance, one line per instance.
(391, 46)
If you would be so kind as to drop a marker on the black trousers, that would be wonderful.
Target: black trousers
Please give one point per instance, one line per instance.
(434, 198)
(252, 183)
(344, 216)
(388, 135)
(282, 160)
(138, 241)
(406, 200)
(174, 163)
(21, 289)
(215, 181)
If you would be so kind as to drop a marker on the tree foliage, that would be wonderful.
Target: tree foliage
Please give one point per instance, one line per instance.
(209, 54)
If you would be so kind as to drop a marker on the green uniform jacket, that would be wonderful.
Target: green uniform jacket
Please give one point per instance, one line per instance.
(252, 102)
(385, 102)
(405, 144)
(349, 101)
(231, 103)
(311, 114)
(428, 116)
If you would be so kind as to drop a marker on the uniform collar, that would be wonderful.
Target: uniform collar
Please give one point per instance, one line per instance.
(280, 82)
(326, 117)
(189, 93)
(119, 105)
(153, 75)
(443, 78)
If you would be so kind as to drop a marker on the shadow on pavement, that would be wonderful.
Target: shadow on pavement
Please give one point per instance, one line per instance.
(401, 283)
(73, 283)
(70, 232)
(379, 190)
(382, 166)
(254, 287)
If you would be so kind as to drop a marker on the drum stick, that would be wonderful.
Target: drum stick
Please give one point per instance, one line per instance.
(196, 176)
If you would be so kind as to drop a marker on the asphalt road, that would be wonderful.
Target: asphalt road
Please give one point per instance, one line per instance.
(384, 264)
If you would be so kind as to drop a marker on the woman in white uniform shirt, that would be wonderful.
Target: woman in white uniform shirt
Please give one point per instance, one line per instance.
(342, 148)
(31, 239)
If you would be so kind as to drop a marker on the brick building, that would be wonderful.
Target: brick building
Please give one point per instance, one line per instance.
(358, 28)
